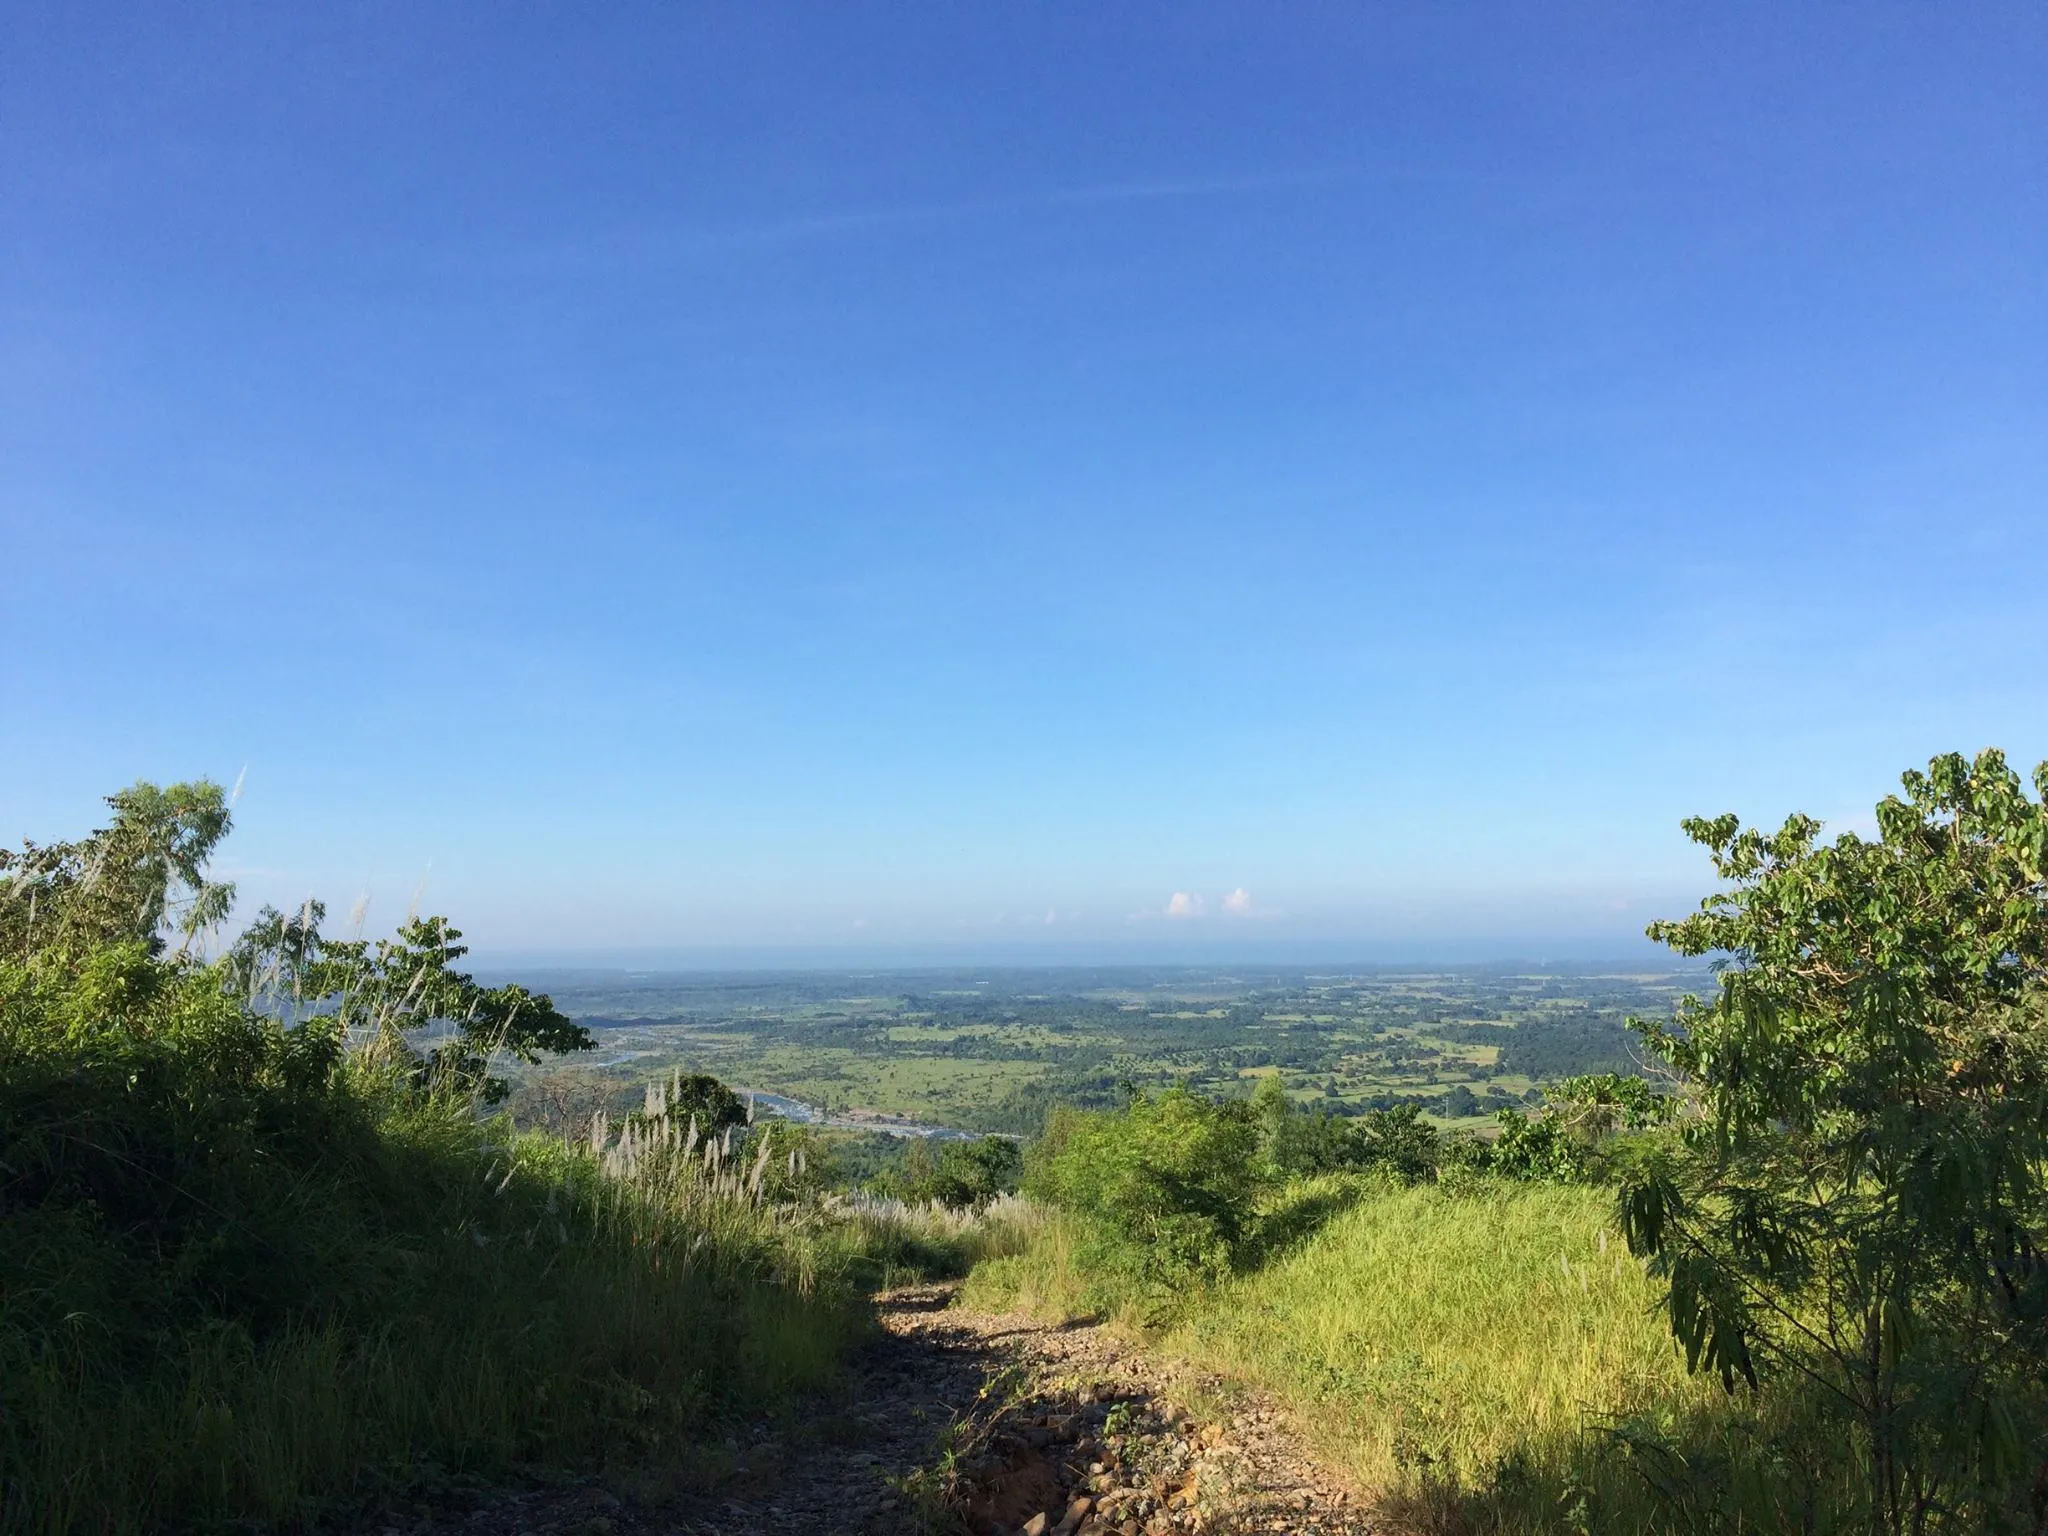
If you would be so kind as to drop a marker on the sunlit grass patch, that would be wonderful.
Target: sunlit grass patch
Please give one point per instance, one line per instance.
(1439, 1335)
(1474, 1358)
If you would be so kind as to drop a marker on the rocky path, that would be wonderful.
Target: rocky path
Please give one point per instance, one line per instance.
(955, 1421)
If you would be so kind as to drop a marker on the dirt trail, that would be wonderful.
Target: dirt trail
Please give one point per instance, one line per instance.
(953, 1420)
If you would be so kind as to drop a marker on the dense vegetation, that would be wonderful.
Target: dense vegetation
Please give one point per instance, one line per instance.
(270, 1243)
(265, 1250)
(1837, 1181)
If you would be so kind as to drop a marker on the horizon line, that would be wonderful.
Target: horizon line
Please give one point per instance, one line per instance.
(1332, 960)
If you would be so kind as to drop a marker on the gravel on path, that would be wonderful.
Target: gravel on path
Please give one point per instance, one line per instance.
(952, 1422)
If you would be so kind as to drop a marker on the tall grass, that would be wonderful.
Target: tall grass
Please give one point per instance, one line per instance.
(1443, 1335)
(249, 1277)
(522, 1309)
(900, 1242)
(1477, 1356)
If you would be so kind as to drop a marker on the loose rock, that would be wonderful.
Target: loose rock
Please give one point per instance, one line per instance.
(1053, 1430)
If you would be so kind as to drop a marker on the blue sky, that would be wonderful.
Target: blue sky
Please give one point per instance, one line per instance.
(951, 480)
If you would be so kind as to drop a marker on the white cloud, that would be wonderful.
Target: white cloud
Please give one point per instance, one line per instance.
(1238, 903)
(1184, 905)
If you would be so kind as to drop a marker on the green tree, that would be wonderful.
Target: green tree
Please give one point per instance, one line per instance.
(404, 1004)
(1399, 1139)
(1297, 1141)
(1856, 1200)
(701, 1097)
(275, 958)
(972, 1173)
(1171, 1180)
(139, 880)
(960, 1174)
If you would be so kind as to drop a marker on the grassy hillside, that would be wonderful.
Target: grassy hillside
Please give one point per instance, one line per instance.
(1442, 1335)
(246, 1280)
(1836, 1195)
(268, 1247)
(1474, 1344)
(242, 1273)
(266, 1250)
(1484, 1358)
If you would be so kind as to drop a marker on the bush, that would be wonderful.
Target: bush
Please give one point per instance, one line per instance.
(1538, 1147)
(1589, 1130)
(1167, 1185)
(1304, 1143)
(961, 1175)
(253, 1265)
(1294, 1141)
(1400, 1141)
(1860, 1198)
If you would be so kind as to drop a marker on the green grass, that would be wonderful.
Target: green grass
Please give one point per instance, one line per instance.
(1439, 1336)
(622, 1343)
(900, 1244)
(501, 1315)
(913, 1077)
(1434, 1334)
(1485, 1358)
(248, 1278)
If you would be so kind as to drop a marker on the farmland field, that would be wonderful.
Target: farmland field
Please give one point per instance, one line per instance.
(991, 1050)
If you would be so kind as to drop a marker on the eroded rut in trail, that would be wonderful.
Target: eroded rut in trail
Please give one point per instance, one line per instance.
(953, 1420)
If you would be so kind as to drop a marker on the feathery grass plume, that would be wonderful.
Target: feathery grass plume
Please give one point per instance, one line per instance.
(258, 1254)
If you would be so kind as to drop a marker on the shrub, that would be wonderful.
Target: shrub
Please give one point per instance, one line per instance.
(1303, 1143)
(961, 1175)
(1168, 1183)
(1858, 1201)
(1401, 1141)
(1293, 1141)
(1531, 1147)
(260, 1252)
(1584, 1131)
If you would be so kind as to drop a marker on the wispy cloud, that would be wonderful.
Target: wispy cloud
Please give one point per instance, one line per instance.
(628, 246)
(1198, 186)
(1184, 904)
(1238, 903)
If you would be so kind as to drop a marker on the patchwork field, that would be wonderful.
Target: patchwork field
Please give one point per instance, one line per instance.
(991, 1051)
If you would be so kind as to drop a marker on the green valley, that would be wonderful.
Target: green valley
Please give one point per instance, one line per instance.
(992, 1050)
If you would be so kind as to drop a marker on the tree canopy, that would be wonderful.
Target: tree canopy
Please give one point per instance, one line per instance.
(1858, 1196)
(139, 879)
(141, 882)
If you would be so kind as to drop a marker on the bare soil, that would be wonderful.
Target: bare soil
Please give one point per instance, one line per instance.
(961, 1423)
